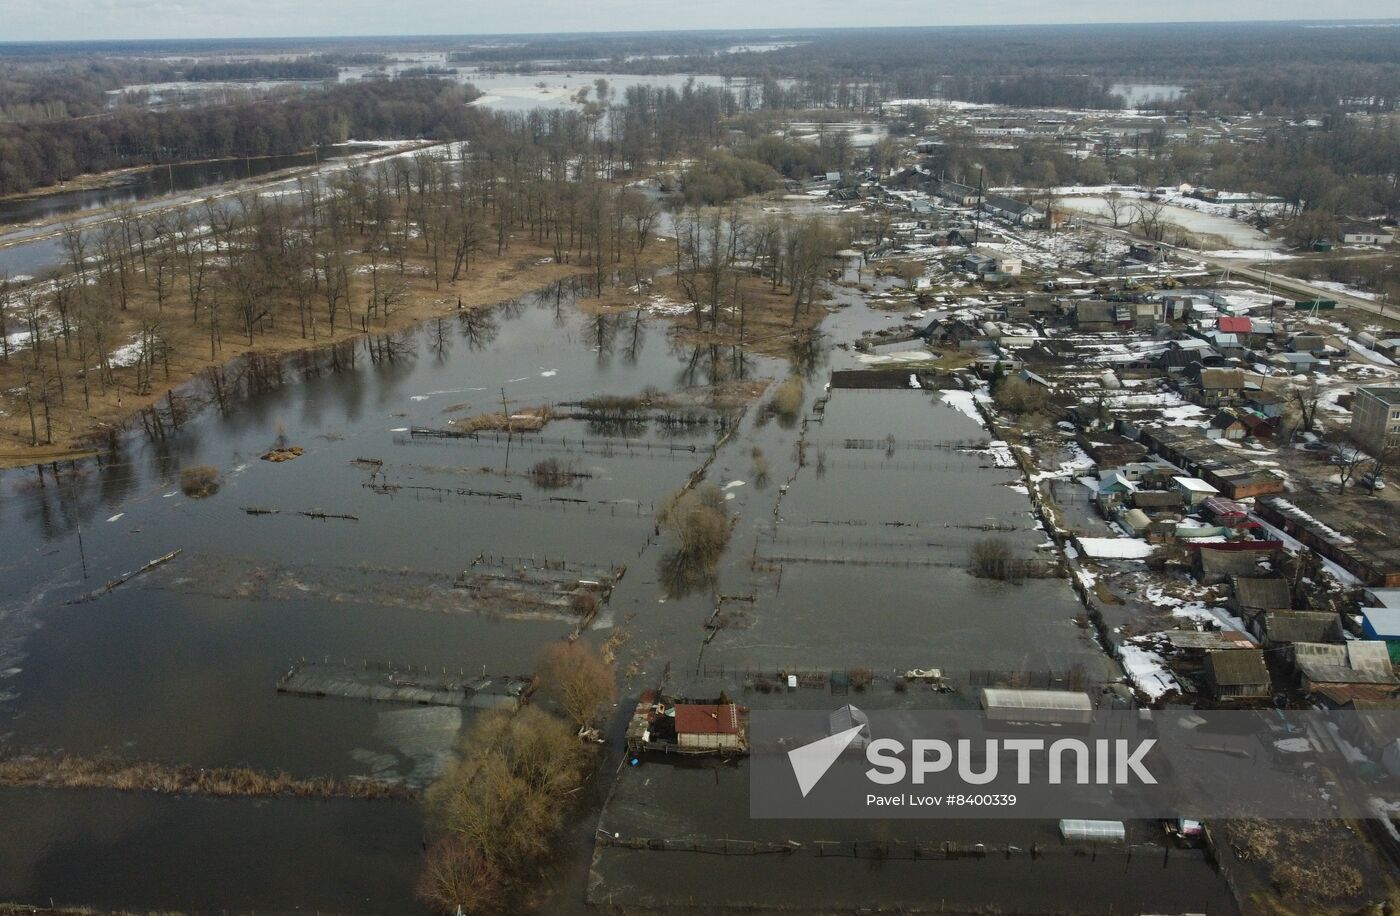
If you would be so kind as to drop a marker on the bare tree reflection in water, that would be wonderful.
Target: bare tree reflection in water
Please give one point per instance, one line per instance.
(710, 364)
(478, 328)
(632, 349)
(511, 309)
(399, 347)
(439, 341)
(680, 574)
(600, 333)
(808, 352)
(553, 297)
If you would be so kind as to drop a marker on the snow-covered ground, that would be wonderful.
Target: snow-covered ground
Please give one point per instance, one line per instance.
(1147, 671)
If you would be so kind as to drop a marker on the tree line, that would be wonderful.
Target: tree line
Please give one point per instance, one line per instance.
(1284, 68)
(337, 256)
(39, 154)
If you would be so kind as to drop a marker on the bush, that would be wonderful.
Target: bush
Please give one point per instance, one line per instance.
(990, 558)
(760, 468)
(576, 677)
(698, 523)
(552, 474)
(787, 399)
(199, 481)
(497, 813)
(1019, 397)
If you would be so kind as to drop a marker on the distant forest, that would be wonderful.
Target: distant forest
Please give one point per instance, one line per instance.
(37, 154)
(51, 89)
(1281, 68)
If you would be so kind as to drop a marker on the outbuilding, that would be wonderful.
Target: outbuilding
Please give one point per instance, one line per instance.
(1234, 674)
(706, 726)
(1052, 706)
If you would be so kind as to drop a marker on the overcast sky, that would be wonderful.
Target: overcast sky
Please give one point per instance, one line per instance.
(34, 20)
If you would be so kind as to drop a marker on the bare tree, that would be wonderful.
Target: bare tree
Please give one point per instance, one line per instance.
(1115, 207)
(1384, 459)
(1347, 459)
(1301, 404)
(1149, 219)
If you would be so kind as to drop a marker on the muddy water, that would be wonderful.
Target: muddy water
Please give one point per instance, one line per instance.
(179, 665)
(193, 855)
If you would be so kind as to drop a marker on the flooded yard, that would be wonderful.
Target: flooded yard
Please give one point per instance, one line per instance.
(427, 547)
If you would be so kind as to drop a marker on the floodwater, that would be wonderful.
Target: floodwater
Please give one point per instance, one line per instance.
(896, 491)
(196, 854)
(870, 863)
(179, 665)
(1136, 94)
(1234, 232)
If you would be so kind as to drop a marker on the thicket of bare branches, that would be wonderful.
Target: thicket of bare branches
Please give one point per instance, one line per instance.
(576, 677)
(497, 813)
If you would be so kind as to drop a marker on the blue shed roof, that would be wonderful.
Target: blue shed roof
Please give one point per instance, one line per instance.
(1381, 622)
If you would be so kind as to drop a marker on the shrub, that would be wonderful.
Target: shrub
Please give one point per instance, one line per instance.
(1019, 397)
(552, 474)
(787, 399)
(199, 481)
(698, 524)
(584, 602)
(576, 677)
(990, 558)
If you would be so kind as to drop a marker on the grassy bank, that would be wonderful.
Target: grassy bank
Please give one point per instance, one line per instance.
(44, 771)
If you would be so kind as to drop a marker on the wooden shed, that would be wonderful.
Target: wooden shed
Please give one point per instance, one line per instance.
(1233, 674)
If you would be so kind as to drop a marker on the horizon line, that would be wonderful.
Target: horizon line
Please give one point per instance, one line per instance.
(1388, 22)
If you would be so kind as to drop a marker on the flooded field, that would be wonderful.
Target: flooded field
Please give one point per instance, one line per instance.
(702, 814)
(179, 666)
(897, 487)
(1233, 232)
(421, 546)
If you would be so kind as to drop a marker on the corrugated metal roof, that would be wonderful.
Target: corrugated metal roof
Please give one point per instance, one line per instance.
(1265, 593)
(1369, 655)
(1299, 626)
(698, 719)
